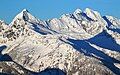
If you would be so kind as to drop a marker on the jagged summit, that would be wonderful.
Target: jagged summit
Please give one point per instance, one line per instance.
(92, 14)
(89, 10)
(24, 15)
(88, 22)
(77, 11)
(25, 10)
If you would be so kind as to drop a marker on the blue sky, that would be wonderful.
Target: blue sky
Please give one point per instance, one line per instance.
(47, 9)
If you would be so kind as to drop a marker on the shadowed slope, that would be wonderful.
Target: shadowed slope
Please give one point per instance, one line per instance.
(103, 41)
(4, 57)
(109, 24)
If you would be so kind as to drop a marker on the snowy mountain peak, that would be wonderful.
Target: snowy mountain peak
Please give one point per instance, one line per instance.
(25, 10)
(24, 16)
(78, 11)
(92, 14)
(113, 22)
(89, 10)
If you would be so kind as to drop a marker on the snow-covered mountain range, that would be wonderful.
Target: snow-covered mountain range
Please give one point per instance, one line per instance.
(81, 43)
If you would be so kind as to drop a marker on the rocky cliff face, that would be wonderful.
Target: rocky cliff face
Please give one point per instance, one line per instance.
(82, 43)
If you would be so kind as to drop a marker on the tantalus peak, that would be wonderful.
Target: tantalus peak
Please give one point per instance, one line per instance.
(88, 22)
(80, 43)
(89, 12)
